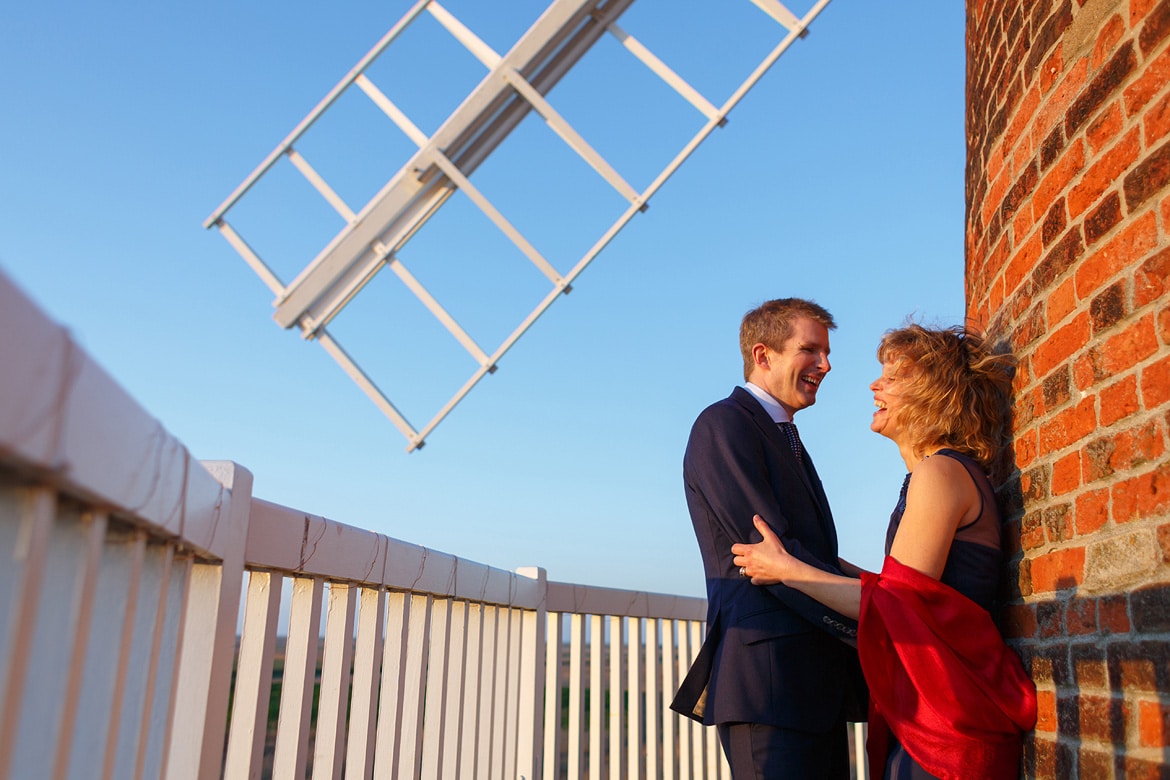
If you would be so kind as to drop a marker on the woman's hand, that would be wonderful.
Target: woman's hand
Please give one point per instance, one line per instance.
(766, 562)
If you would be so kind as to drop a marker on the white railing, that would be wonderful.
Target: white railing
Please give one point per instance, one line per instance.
(156, 620)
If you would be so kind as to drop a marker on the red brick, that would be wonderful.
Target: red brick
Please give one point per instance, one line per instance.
(1069, 426)
(1104, 174)
(1055, 221)
(1050, 72)
(1027, 405)
(1119, 400)
(1136, 768)
(1105, 128)
(1025, 448)
(1133, 242)
(1097, 459)
(1055, 388)
(1058, 522)
(1056, 180)
(1143, 496)
(997, 258)
(998, 186)
(1021, 116)
(1052, 112)
(1089, 669)
(1023, 373)
(1061, 345)
(995, 293)
(1092, 761)
(1157, 120)
(1108, 308)
(1107, 39)
(1029, 327)
(1066, 474)
(1045, 764)
(1156, 383)
(1152, 80)
(1149, 281)
(1046, 711)
(1113, 615)
(1019, 621)
(1106, 81)
(1095, 717)
(1153, 724)
(1051, 146)
(1034, 485)
(995, 162)
(1084, 371)
(1060, 302)
(1138, 674)
(1092, 511)
(1137, 446)
(1020, 191)
(1148, 178)
(1138, 10)
(1022, 576)
(1105, 216)
(1081, 619)
(1125, 350)
(1022, 157)
(1021, 263)
(1058, 569)
(1155, 27)
(1042, 671)
(1163, 325)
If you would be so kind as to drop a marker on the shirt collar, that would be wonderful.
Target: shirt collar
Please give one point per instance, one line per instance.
(777, 412)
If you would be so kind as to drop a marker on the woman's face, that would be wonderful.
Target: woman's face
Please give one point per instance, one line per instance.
(887, 397)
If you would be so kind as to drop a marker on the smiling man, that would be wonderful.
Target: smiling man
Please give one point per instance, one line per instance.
(777, 674)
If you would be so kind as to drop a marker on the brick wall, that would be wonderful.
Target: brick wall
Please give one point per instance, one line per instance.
(1068, 253)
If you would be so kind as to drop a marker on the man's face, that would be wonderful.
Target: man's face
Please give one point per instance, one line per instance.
(795, 372)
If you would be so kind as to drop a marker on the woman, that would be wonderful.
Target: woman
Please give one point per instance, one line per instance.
(947, 697)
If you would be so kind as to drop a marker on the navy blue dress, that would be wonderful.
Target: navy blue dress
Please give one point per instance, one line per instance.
(972, 568)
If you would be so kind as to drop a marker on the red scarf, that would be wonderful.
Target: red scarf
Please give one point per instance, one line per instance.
(940, 678)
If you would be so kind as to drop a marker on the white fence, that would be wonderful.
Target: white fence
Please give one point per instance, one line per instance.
(129, 569)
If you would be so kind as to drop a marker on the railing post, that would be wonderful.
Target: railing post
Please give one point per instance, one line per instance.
(208, 636)
(532, 657)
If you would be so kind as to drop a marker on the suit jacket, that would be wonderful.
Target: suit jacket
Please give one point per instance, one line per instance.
(772, 655)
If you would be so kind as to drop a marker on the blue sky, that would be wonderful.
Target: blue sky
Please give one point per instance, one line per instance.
(838, 178)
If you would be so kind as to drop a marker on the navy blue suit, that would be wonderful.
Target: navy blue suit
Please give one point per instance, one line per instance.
(772, 655)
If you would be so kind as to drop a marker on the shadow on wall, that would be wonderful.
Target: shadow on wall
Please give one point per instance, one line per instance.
(1101, 663)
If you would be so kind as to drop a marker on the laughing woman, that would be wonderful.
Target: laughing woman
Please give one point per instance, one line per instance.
(948, 699)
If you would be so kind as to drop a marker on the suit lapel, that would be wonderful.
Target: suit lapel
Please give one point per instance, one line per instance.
(822, 500)
(773, 434)
(807, 472)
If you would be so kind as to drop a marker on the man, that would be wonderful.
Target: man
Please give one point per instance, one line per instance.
(777, 674)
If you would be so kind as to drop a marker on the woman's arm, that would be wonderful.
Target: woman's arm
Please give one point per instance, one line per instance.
(940, 498)
(768, 563)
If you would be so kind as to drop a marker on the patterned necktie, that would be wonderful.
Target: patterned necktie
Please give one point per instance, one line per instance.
(793, 437)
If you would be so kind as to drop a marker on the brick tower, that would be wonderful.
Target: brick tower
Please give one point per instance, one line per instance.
(1068, 254)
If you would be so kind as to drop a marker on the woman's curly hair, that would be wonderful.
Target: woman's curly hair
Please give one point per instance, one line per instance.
(957, 388)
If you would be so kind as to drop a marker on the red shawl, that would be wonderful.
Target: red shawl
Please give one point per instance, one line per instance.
(940, 678)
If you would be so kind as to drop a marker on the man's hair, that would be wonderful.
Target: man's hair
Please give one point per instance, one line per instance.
(957, 388)
(770, 324)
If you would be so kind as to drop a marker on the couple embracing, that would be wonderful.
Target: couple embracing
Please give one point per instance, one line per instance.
(799, 641)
